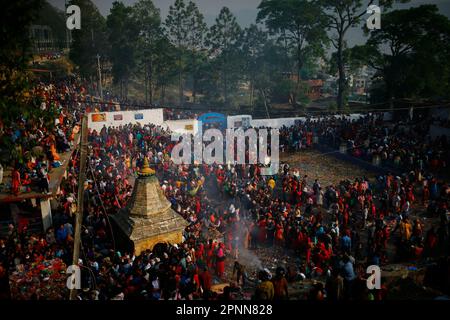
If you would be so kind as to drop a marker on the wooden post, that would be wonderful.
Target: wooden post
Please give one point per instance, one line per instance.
(80, 204)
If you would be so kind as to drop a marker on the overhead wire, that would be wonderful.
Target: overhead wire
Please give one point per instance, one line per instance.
(367, 109)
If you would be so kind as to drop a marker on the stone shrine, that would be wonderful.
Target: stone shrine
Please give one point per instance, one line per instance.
(149, 219)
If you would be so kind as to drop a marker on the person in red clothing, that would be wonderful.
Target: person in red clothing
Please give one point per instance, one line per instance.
(279, 234)
(262, 235)
(220, 260)
(280, 285)
(431, 241)
(26, 182)
(210, 247)
(200, 252)
(205, 280)
(309, 137)
(410, 195)
(425, 195)
(15, 182)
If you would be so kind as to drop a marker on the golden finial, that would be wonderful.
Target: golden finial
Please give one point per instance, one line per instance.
(146, 170)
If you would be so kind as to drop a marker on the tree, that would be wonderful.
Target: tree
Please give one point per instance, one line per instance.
(89, 41)
(186, 29)
(222, 39)
(176, 23)
(400, 52)
(15, 54)
(56, 20)
(252, 45)
(196, 30)
(122, 38)
(300, 24)
(16, 101)
(341, 16)
(164, 66)
(149, 31)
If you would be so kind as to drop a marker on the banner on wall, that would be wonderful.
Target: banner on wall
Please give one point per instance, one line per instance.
(112, 119)
(99, 117)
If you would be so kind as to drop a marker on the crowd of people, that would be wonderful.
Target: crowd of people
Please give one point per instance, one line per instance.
(404, 145)
(39, 142)
(335, 231)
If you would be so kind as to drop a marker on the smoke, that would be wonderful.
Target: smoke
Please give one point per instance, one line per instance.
(249, 259)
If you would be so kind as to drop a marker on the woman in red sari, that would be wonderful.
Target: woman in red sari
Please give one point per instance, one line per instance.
(210, 253)
(410, 195)
(262, 235)
(279, 237)
(15, 182)
(220, 261)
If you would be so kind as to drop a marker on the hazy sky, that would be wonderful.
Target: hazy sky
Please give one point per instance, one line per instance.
(246, 10)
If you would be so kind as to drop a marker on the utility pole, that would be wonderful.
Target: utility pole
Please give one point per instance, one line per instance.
(99, 77)
(80, 201)
(68, 32)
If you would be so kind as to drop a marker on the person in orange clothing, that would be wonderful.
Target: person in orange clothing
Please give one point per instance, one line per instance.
(279, 235)
(55, 154)
(405, 230)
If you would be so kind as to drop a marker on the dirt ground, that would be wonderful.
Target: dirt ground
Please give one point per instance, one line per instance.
(324, 167)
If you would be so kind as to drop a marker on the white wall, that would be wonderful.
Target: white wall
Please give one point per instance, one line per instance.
(231, 120)
(288, 122)
(183, 126)
(275, 123)
(154, 116)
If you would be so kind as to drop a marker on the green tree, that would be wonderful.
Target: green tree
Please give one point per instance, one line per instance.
(123, 40)
(252, 45)
(196, 30)
(56, 20)
(176, 24)
(222, 39)
(90, 41)
(343, 15)
(150, 35)
(400, 52)
(300, 24)
(15, 54)
(164, 66)
(16, 101)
